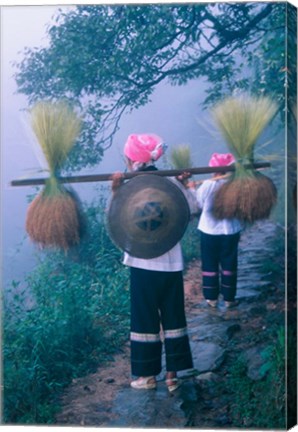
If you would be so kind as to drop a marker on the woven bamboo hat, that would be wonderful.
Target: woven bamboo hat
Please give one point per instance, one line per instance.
(148, 216)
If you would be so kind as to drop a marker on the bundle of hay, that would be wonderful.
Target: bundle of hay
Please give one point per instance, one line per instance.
(181, 157)
(180, 160)
(248, 195)
(53, 217)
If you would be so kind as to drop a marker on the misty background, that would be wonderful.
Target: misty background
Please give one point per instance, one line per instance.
(174, 113)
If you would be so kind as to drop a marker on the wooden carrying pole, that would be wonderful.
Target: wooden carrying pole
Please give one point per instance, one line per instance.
(129, 175)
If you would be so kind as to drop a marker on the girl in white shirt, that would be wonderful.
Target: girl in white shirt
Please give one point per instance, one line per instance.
(219, 241)
(157, 292)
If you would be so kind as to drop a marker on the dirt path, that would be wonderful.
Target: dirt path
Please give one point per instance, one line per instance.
(80, 403)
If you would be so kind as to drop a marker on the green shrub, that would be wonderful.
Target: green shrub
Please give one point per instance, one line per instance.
(80, 315)
(261, 404)
(275, 265)
(78, 318)
(190, 242)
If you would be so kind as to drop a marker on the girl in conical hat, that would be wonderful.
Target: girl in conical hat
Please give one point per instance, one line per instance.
(157, 292)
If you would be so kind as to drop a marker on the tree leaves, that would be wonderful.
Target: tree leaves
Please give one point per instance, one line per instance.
(118, 54)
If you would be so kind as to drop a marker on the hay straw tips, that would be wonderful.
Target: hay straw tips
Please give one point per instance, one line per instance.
(241, 120)
(181, 156)
(56, 127)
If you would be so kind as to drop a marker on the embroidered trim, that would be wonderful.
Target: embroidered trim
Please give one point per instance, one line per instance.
(210, 274)
(228, 273)
(144, 337)
(177, 333)
(210, 287)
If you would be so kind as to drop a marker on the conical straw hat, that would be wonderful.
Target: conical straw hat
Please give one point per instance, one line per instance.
(148, 216)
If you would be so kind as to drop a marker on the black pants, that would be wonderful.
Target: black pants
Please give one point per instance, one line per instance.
(219, 254)
(157, 298)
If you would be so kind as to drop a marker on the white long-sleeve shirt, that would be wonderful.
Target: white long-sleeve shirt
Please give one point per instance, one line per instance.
(207, 222)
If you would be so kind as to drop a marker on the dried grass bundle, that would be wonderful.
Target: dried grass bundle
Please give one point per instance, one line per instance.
(56, 127)
(248, 198)
(241, 121)
(248, 195)
(181, 157)
(54, 218)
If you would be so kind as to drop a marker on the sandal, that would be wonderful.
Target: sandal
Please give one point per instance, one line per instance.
(231, 304)
(173, 384)
(212, 303)
(144, 383)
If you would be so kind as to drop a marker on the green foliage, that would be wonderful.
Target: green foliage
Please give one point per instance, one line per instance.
(190, 242)
(275, 266)
(292, 370)
(261, 66)
(261, 404)
(78, 319)
(107, 60)
(276, 60)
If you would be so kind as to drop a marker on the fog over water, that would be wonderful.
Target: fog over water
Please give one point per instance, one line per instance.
(174, 113)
